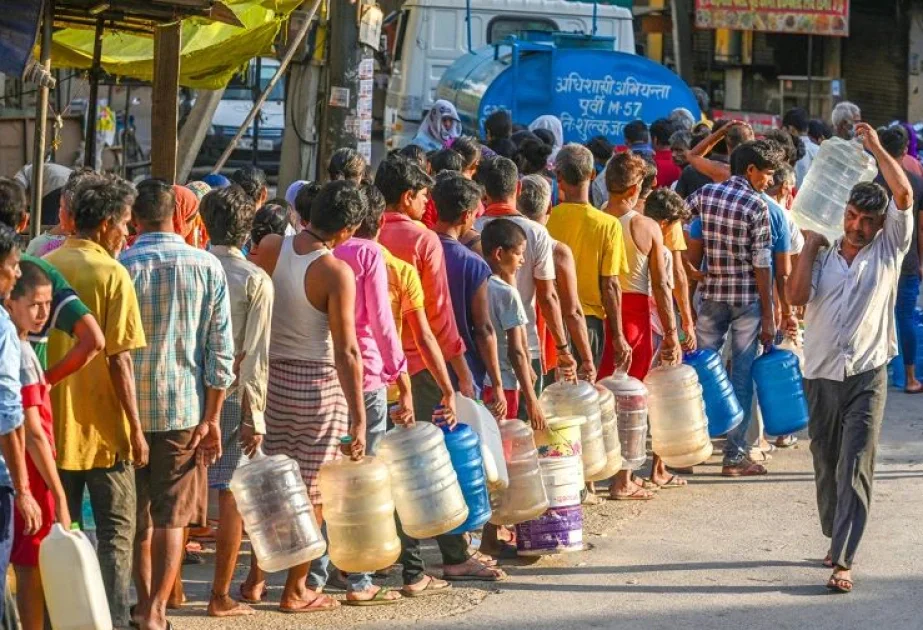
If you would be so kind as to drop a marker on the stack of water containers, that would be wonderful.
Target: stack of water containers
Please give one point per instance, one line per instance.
(821, 200)
(277, 514)
(677, 411)
(359, 513)
(610, 425)
(427, 496)
(525, 497)
(722, 408)
(631, 417)
(780, 392)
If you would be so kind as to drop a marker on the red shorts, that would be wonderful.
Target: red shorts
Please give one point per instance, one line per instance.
(25, 548)
(512, 400)
(636, 324)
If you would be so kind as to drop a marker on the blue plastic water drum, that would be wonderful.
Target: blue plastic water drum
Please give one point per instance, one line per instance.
(465, 451)
(780, 392)
(722, 408)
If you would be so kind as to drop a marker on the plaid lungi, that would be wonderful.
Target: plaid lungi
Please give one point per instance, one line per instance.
(232, 456)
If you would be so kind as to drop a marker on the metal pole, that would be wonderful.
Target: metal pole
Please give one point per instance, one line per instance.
(41, 118)
(89, 157)
(810, 68)
(255, 153)
(283, 66)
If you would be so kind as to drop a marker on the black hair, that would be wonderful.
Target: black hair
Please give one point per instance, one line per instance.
(787, 143)
(154, 203)
(8, 241)
(346, 163)
(601, 148)
(664, 204)
(75, 180)
(501, 233)
(469, 148)
(272, 218)
(819, 130)
(252, 179)
(869, 197)
(650, 178)
(796, 118)
(415, 153)
(763, 154)
(396, 175)
(546, 136)
(499, 124)
(661, 130)
(498, 175)
(446, 160)
(532, 156)
(100, 200)
(453, 195)
(376, 207)
(338, 205)
(228, 215)
(737, 135)
(504, 147)
(895, 141)
(305, 199)
(32, 276)
(636, 131)
(13, 202)
(520, 136)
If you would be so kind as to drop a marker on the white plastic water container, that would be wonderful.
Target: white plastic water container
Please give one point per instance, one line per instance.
(73, 584)
(485, 425)
(821, 201)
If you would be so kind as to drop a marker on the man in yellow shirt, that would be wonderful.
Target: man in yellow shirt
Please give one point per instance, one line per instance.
(595, 239)
(97, 429)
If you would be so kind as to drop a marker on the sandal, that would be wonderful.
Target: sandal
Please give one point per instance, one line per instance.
(744, 469)
(326, 603)
(484, 558)
(839, 585)
(380, 598)
(645, 483)
(641, 494)
(675, 481)
(483, 573)
(786, 441)
(433, 587)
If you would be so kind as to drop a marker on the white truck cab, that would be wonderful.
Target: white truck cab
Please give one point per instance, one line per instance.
(431, 34)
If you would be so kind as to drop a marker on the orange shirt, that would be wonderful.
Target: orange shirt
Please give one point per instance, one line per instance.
(420, 247)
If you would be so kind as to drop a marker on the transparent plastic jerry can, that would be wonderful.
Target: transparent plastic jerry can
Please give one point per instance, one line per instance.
(610, 427)
(580, 399)
(73, 584)
(427, 495)
(525, 497)
(821, 201)
(359, 513)
(679, 429)
(631, 417)
(277, 513)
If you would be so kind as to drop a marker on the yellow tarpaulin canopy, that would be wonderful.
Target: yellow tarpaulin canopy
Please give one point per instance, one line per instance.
(211, 52)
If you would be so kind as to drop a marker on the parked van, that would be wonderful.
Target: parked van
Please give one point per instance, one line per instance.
(431, 34)
(233, 109)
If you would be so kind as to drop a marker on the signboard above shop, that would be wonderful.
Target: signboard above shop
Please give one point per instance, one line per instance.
(805, 17)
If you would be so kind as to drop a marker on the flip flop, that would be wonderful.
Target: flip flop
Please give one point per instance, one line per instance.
(311, 607)
(786, 441)
(378, 599)
(674, 482)
(431, 588)
(637, 495)
(645, 483)
(839, 585)
(478, 576)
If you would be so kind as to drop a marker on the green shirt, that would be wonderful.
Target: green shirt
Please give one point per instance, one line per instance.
(66, 309)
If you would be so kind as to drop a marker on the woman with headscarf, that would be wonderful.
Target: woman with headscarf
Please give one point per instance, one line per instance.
(440, 127)
(186, 220)
(552, 124)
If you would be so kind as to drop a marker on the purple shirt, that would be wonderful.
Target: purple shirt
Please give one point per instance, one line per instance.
(382, 356)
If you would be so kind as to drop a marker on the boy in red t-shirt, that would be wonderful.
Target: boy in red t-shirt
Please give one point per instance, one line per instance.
(29, 306)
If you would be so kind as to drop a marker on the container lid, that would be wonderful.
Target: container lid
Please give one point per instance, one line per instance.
(418, 437)
(563, 422)
(621, 384)
(568, 398)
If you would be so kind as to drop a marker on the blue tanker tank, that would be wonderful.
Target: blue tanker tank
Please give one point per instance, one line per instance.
(593, 89)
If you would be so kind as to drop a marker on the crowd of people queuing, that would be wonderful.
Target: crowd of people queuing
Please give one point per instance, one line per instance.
(159, 335)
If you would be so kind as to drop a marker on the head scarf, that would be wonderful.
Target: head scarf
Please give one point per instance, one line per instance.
(432, 126)
(186, 220)
(292, 192)
(216, 180)
(912, 148)
(552, 124)
(199, 189)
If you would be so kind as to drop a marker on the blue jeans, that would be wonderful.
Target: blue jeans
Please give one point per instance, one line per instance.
(6, 538)
(743, 322)
(908, 290)
(376, 418)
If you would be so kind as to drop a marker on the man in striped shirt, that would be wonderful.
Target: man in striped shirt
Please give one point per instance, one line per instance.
(182, 376)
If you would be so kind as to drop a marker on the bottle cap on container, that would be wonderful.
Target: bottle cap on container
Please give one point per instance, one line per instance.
(75, 526)
(346, 439)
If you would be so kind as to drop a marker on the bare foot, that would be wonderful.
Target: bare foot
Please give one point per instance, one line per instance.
(253, 593)
(913, 387)
(225, 606)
